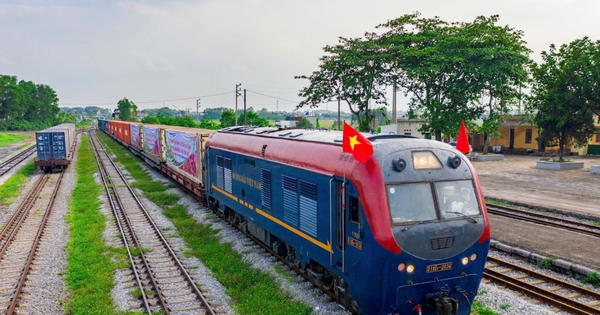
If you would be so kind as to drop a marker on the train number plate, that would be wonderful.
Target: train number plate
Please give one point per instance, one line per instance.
(355, 243)
(439, 267)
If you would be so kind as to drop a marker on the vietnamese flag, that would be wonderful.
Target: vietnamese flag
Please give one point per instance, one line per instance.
(462, 143)
(355, 143)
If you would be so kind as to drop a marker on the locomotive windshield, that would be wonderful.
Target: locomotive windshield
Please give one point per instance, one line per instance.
(411, 202)
(416, 202)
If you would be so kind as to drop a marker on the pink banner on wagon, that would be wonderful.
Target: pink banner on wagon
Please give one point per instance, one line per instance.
(181, 151)
(151, 137)
(136, 139)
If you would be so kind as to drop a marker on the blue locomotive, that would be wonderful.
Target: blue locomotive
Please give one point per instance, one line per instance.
(406, 232)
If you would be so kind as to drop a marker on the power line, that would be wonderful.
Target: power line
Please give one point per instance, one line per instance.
(275, 97)
(146, 102)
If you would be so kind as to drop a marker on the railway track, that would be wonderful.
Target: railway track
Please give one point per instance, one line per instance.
(160, 278)
(543, 219)
(20, 239)
(563, 295)
(14, 160)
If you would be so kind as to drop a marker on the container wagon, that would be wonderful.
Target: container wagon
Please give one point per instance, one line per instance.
(103, 125)
(55, 147)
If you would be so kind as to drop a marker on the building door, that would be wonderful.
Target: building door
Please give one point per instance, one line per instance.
(511, 141)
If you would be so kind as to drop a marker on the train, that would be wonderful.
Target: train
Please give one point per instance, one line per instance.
(55, 147)
(406, 232)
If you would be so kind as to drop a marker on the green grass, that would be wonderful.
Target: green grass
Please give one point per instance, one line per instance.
(546, 263)
(252, 291)
(13, 186)
(90, 267)
(497, 203)
(592, 279)
(479, 309)
(7, 139)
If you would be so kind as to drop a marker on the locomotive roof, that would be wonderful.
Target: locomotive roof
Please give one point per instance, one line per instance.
(312, 135)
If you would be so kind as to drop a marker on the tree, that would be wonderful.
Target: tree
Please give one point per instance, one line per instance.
(426, 60)
(498, 62)
(353, 71)
(227, 118)
(127, 110)
(563, 94)
(253, 119)
(447, 68)
(304, 123)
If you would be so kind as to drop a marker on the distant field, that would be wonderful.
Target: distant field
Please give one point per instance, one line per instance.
(326, 123)
(7, 139)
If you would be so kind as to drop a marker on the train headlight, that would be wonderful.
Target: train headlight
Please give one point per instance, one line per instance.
(465, 261)
(425, 160)
(401, 267)
(410, 269)
(473, 257)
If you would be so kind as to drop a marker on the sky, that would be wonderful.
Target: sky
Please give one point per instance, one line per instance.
(170, 53)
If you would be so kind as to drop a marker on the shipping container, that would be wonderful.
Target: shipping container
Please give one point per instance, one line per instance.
(55, 146)
(153, 143)
(103, 125)
(184, 151)
(137, 132)
(125, 134)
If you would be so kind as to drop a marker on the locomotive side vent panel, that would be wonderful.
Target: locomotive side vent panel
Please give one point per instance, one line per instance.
(220, 179)
(227, 175)
(308, 208)
(265, 193)
(290, 200)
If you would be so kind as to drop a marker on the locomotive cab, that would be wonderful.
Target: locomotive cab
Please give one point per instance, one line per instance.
(437, 218)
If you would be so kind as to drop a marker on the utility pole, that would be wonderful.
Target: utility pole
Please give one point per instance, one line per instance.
(244, 107)
(277, 105)
(339, 126)
(394, 105)
(237, 93)
(198, 109)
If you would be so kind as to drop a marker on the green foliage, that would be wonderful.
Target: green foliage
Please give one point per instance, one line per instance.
(304, 123)
(566, 93)
(208, 124)
(592, 279)
(127, 110)
(227, 118)
(10, 138)
(504, 306)
(13, 186)
(448, 68)
(90, 268)
(253, 119)
(151, 120)
(25, 105)
(546, 263)
(352, 71)
(479, 309)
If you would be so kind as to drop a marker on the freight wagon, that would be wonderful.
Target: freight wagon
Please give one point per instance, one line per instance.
(55, 147)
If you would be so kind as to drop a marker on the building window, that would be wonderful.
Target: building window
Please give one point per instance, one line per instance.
(598, 137)
(528, 135)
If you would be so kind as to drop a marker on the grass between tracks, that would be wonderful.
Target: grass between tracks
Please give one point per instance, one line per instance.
(12, 187)
(252, 291)
(91, 263)
(10, 138)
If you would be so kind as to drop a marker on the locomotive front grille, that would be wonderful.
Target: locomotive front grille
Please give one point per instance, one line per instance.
(441, 243)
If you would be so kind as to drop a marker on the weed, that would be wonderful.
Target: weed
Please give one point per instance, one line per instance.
(504, 306)
(481, 292)
(546, 263)
(592, 279)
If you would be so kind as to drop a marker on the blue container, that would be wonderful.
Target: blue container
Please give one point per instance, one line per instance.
(54, 143)
(103, 125)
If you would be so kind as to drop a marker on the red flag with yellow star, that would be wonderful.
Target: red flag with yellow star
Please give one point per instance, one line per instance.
(355, 143)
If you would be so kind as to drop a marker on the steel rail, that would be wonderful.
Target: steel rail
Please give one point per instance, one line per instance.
(34, 247)
(16, 158)
(158, 233)
(113, 205)
(547, 220)
(563, 302)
